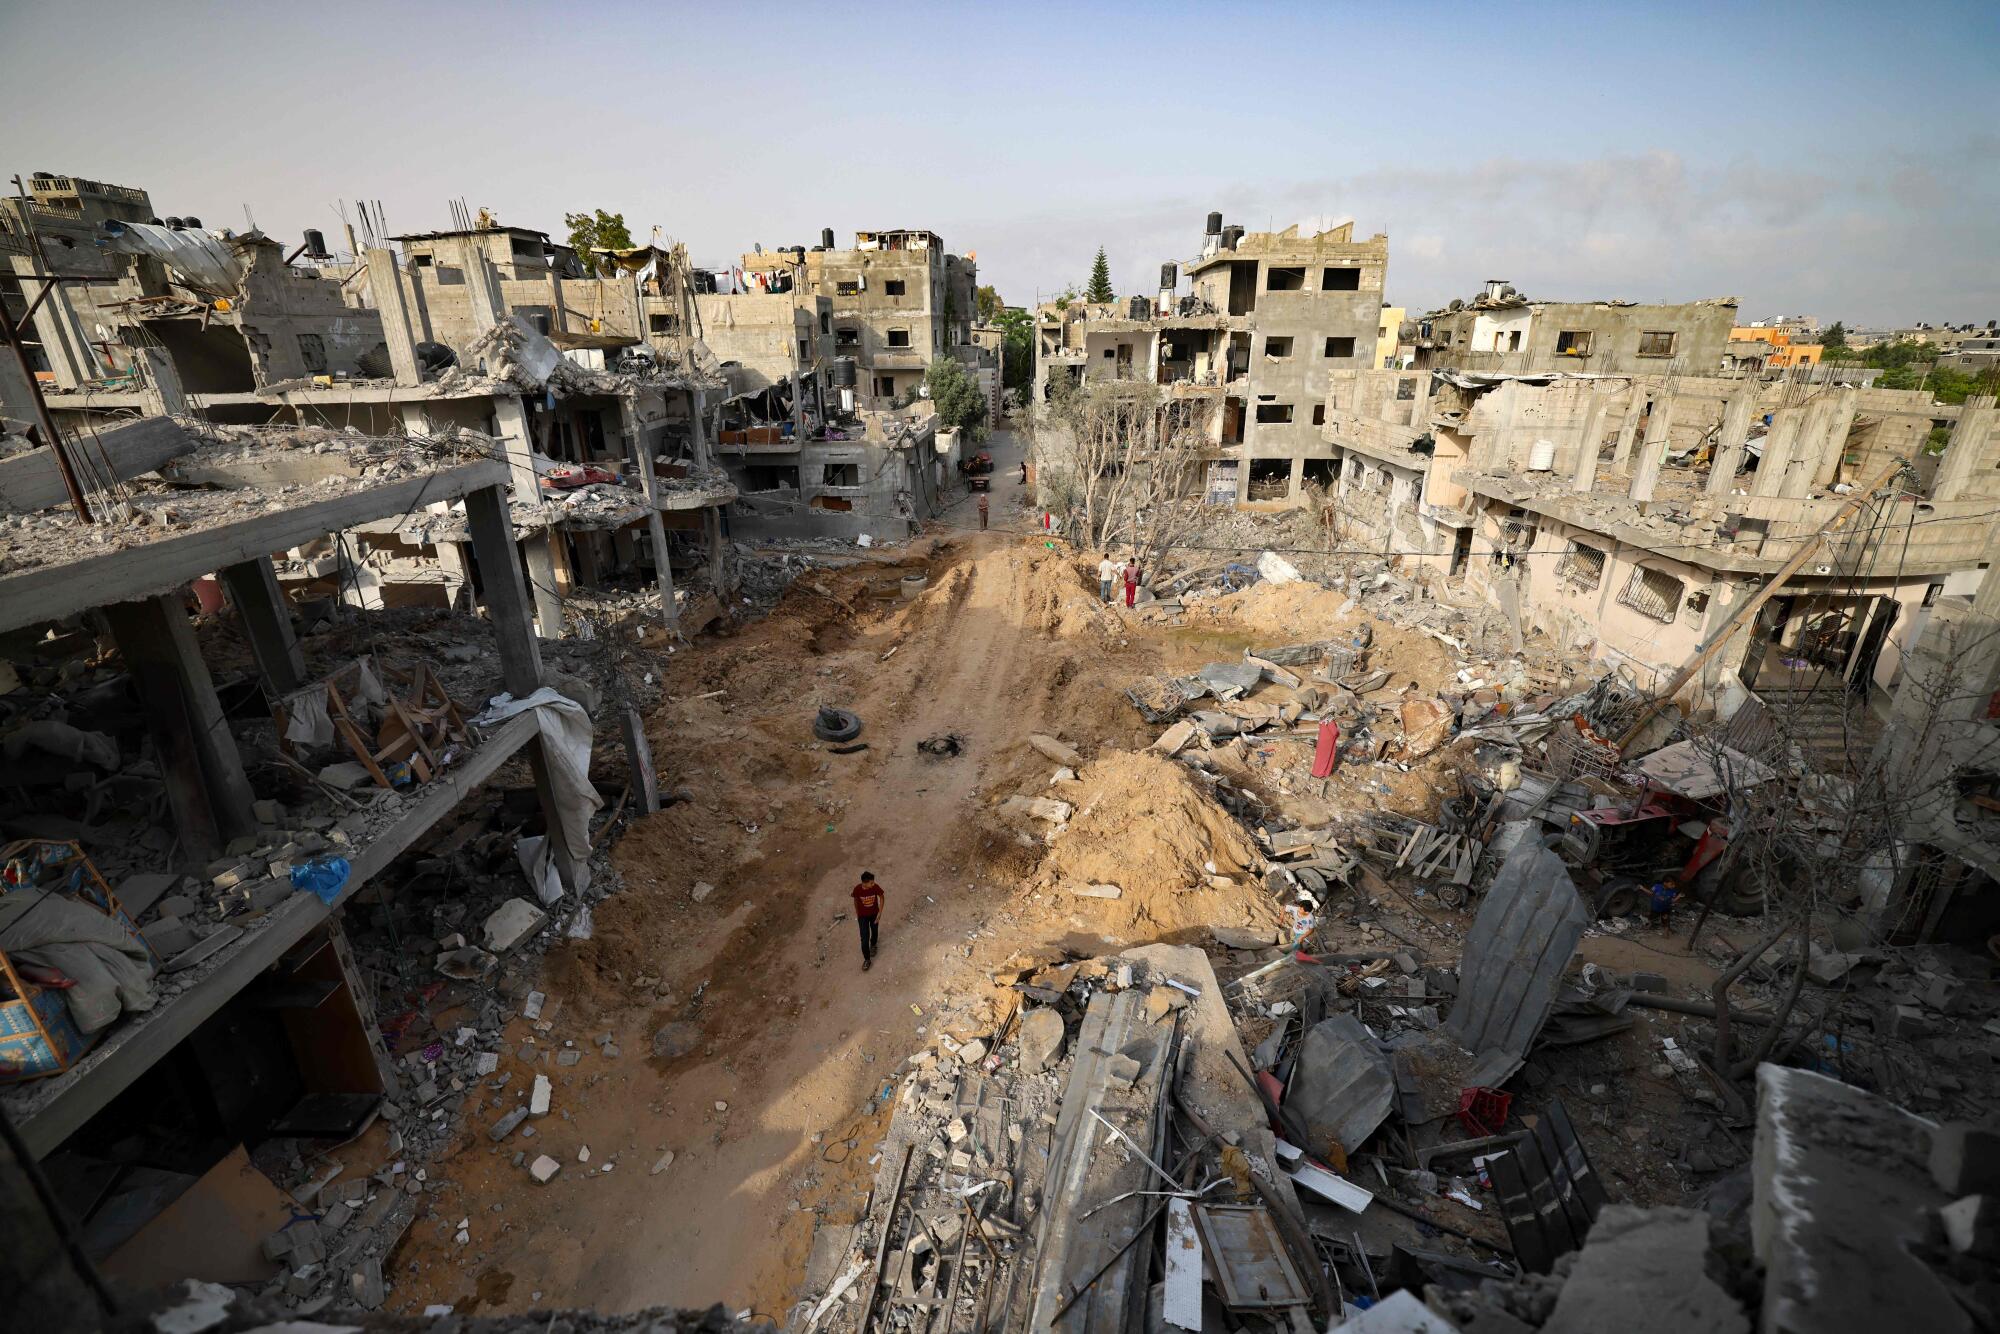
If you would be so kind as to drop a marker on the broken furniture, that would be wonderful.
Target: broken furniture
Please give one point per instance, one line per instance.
(417, 724)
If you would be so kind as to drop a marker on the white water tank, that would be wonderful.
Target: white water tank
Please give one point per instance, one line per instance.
(1542, 456)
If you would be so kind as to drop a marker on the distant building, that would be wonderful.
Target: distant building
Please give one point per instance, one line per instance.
(1758, 348)
(1501, 331)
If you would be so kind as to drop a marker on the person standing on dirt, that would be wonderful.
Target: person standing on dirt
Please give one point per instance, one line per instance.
(1107, 576)
(1131, 581)
(868, 914)
(982, 511)
(1024, 472)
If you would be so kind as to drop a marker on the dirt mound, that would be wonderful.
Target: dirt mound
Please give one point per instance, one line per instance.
(1288, 612)
(1061, 603)
(1145, 824)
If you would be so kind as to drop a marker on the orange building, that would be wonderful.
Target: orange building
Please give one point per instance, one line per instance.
(1783, 351)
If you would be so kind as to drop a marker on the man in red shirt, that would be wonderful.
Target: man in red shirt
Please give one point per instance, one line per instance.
(867, 912)
(1131, 573)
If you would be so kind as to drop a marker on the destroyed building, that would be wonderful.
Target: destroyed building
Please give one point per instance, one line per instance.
(1503, 332)
(489, 331)
(824, 431)
(1269, 316)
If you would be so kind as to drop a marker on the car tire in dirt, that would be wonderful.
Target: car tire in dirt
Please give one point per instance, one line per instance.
(836, 725)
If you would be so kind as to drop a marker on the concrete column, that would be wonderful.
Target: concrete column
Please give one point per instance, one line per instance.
(1420, 407)
(1778, 447)
(457, 574)
(558, 313)
(1591, 443)
(718, 568)
(385, 284)
(56, 327)
(699, 429)
(163, 383)
(511, 415)
(1967, 448)
(540, 548)
(1653, 452)
(1807, 446)
(1833, 449)
(482, 286)
(199, 762)
(520, 654)
(1628, 431)
(1729, 443)
(656, 529)
(267, 623)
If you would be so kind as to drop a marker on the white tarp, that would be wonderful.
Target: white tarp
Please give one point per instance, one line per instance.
(201, 260)
(566, 733)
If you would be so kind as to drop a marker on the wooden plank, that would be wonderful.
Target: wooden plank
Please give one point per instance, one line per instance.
(48, 1111)
(33, 481)
(142, 570)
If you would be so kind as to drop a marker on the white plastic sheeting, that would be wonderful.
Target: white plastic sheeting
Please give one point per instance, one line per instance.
(201, 260)
(566, 733)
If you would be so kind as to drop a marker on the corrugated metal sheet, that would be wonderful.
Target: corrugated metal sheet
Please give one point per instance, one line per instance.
(1549, 1192)
(1341, 1086)
(1526, 931)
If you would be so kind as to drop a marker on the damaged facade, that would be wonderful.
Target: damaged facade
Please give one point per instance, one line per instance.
(488, 332)
(1502, 332)
(1269, 317)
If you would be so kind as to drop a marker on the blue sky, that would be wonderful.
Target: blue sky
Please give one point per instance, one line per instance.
(1825, 158)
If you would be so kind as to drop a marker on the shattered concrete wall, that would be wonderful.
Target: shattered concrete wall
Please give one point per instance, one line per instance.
(772, 335)
(892, 335)
(297, 325)
(1482, 337)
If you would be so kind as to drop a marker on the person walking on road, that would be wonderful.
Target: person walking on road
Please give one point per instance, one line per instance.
(1131, 580)
(1107, 575)
(982, 511)
(868, 913)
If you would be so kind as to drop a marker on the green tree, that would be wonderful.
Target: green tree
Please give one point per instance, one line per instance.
(597, 231)
(956, 395)
(987, 304)
(1099, 289)
(1834, 336)
(1017, 328)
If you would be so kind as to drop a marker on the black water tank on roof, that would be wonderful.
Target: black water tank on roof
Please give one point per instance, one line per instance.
(1170, 276)
(842, 375)
(175, 224)
(1214, 224)
(191, 223)
(1230, 236)
(315, 244)
(826, 238)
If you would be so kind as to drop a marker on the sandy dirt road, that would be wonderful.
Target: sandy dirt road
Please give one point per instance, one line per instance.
(791, 1037)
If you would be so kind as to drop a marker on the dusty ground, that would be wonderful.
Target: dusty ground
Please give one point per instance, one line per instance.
(778, 1040)
(787, 1037)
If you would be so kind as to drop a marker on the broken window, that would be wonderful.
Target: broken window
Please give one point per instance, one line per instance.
(1270, 479)
(1284, 280)
(1406, 390)
(893, 287)
(1582, 565)
(899, 338)
(1656, 343)
(1573, 343)
(1319, 414)
(1653, 593)
(1695, 607)
(1340, 347)
(846, 336)
(312, 351)
(1340, 280)
(840, 474)
(885, 386)
(662, 322)
(1273, 414)
(1277, 347)
(805, 349)
(848, 287)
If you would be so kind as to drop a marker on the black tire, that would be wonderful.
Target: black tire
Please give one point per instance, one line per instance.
(836, 725)
(1622, 896)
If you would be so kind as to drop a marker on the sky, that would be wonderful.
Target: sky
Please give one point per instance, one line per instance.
(1827, 159)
